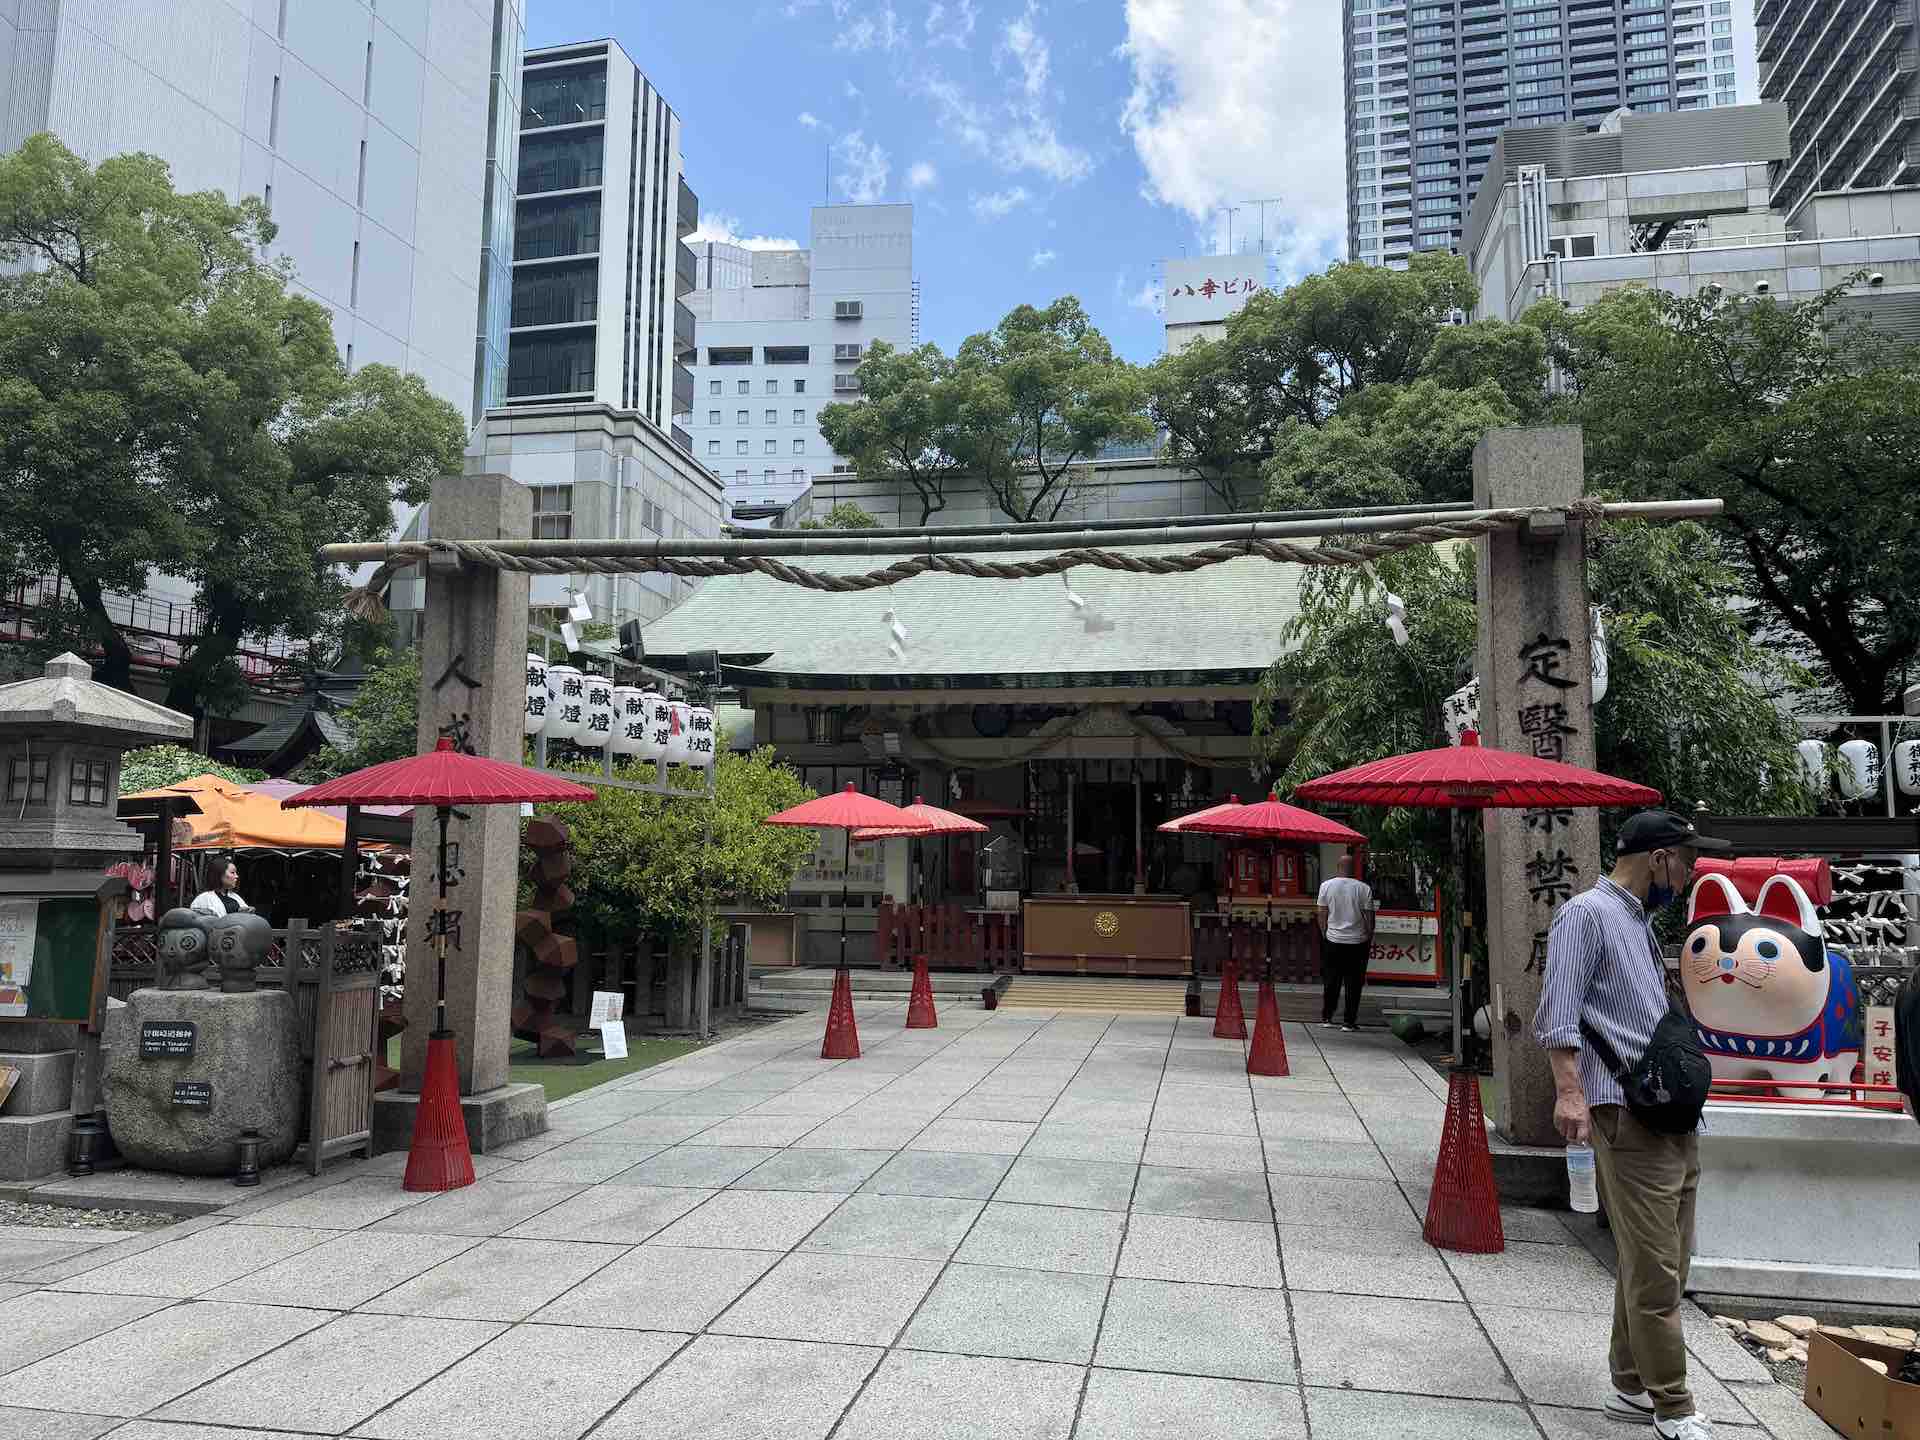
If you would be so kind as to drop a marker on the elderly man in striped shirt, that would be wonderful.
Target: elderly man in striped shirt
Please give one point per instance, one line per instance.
(1604, 968)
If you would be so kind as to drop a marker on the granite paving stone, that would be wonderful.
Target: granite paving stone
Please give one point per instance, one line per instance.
(697, 1165)
(1081, 1184)
(952, 1397)
(1338, 1159)
(1371, 1415)
(612, 1214)
(1214, 1194)
(197, 1263)
(751, 1220)
(1724, 1357)
(1206, 1252)
(1292, 1124)
(162, 1430)
(334, 1376)
(841, 1171)
(925, 1172)
(656, 1129)
(1559, 1357)
(973, 1137)
(1535, 1277)
(18, 1255)
(1341, 1204)
(1559, 1424)
(1018, 1314)
(838, 1299)
(1071, 1141)
(143, 1365)
(660, 1287)
(1109, 1111)
(1179, 1151)
(1218, 1330)
(1783, 1412)
(911, 1227)
(863, 1133)
(1044, 1237)
(1436, 1350)
(345, 1270)
(999, 1107)
(744, 1389)
(498, 1279)
(584, 1162)
(1127, 1405)
(1394, 1263)
(45, 1322)
(760, 1131)
(46, 1425)
(536, 1382)
(486, 1207)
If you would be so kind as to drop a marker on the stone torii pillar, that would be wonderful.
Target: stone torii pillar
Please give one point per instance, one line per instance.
(1536, 696)
(473, 649)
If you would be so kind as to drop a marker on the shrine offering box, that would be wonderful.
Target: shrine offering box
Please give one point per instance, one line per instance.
(1856, 1399)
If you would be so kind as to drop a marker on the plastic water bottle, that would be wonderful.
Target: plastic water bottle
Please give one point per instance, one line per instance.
(1583, 1193)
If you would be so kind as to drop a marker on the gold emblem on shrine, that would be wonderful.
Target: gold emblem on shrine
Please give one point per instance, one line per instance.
(1106, 923)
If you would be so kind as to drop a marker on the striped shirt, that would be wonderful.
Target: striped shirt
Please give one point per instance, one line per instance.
(1604, 967)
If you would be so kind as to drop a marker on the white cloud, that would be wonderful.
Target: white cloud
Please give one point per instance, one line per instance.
(921, 175)
(1029, 50)
(719, 225)
(809, 119)
(998, 204)
(1147, 297)
(1042, 259)
(951, 24)
(860, 169)
(861, 30)
(1216, 124)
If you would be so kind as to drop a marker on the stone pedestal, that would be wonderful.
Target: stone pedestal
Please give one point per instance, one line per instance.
(38, 1114)
(1536, 697)
(473, 648)
(494, 1117)
(246, 1049)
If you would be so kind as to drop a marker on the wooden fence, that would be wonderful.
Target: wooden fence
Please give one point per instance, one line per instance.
(952, 937)
(333, 974)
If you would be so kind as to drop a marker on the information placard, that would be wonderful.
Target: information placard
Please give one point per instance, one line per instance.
(167, 1039)
(194, 1094)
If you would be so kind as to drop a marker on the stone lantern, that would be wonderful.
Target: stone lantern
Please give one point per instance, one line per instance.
(61, 740)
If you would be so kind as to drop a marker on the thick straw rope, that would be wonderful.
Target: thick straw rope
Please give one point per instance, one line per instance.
(365, 602)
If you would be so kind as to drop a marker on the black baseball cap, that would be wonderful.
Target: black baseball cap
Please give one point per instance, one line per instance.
(1663, 830)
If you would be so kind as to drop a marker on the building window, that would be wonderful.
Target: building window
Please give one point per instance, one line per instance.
(740, 417)
(544, 229)
(773, 417)
(550, 364)
(366, 80)
(561, 162)
(713, 417)
(88, 783)
(730, 355)
(799, 417)
(556, 294)
(739, 447)
(799, 477)
(713, 387)
(799, 447)
(746, 387)
(788, 354)
(740, 476)
(563, 97)
(773, 387)
(772, 447)
(553, 512)
(713, 447)
(273, 117)
(767, 475)
(799, 387)
(27, 780)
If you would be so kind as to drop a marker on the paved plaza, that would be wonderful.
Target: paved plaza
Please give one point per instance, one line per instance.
(1021, 1225)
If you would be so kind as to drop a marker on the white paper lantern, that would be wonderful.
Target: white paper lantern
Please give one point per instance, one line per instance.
(1859, 769)
(597, 728)
(1813, 764)
(680, 733)
(656, 723)
(705, 740)
(539, 698)
(1906, 766)
(567, 711)
(629, 719)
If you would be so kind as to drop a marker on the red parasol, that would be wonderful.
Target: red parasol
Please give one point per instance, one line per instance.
(443, 777)
(1179, 823)
(1471, 776)
(849, 810)
(1273, 819)
(935, 822)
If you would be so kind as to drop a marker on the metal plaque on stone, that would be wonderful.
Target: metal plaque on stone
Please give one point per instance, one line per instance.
(167, 1040)
(197, 1094)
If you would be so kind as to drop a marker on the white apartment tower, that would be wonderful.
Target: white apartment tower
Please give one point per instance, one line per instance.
(363, 126)
(1431, 84)
(777, 348)
(598, 260)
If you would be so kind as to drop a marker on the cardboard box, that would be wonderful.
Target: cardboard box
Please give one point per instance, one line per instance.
(1855, 1400)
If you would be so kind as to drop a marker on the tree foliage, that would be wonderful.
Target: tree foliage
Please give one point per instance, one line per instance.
(1806, 425)
(846, 515)
(168, 406)
(905, 426)
(382, 718)
(155, 766)
(639, 862)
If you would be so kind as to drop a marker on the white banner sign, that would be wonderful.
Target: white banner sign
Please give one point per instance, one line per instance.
(607, 1005)
(1211, 287)
(613, 1040)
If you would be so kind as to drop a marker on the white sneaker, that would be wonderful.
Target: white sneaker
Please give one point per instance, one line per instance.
(1636, 1409)
(1687, 1427)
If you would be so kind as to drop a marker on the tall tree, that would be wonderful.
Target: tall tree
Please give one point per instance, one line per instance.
(1038, 397)
(846, 515)
(904, 425)
(1806, 424)
(166, 405)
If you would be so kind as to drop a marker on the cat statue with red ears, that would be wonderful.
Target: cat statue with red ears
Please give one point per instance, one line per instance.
(1769, 999)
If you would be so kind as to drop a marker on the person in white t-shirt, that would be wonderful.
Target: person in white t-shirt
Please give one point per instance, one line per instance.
(1346, 910)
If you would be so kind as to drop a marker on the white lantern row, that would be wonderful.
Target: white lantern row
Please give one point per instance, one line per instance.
(567, 710)
(1906, 766)
(539, 697)
(1855, 766)
(593, 712)
(596, 724)
(1859, 769)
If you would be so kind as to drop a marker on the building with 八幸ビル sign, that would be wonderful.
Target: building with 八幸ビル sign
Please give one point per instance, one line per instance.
(1202, 293)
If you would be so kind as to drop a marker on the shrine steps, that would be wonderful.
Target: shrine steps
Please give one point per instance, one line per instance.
(1091, 994)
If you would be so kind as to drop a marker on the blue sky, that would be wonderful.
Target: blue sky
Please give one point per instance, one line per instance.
(1049, 146)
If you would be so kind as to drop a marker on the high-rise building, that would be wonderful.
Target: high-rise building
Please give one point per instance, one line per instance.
(1430, 85)
(598, 260)
(363, 128)
(1849, 72)
(497, 213)
(773, 351)
(718, 265)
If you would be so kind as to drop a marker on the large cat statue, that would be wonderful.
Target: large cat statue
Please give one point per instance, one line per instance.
(1769, 999)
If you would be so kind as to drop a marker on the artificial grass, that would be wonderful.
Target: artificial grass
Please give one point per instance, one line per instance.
(564, 1077)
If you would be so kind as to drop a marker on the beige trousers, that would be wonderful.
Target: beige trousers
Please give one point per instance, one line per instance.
(1647, 1183)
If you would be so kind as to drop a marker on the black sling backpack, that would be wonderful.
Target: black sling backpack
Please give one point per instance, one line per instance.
(1666, 1088)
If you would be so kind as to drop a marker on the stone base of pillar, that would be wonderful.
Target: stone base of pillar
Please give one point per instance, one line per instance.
(494, 1117)
(34, 1147)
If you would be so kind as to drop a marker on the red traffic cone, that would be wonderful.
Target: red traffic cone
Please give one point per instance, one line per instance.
(439, 1158)
(1229, 1020)
(843, 1036)
(1463, 1210)
(920, 1014)
(1268, 1054)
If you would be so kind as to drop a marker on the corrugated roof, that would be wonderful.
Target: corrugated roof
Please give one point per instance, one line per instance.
(1226, 618)
(68, 695)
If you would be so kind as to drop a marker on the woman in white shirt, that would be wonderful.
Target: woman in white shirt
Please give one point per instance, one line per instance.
(223, 898)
